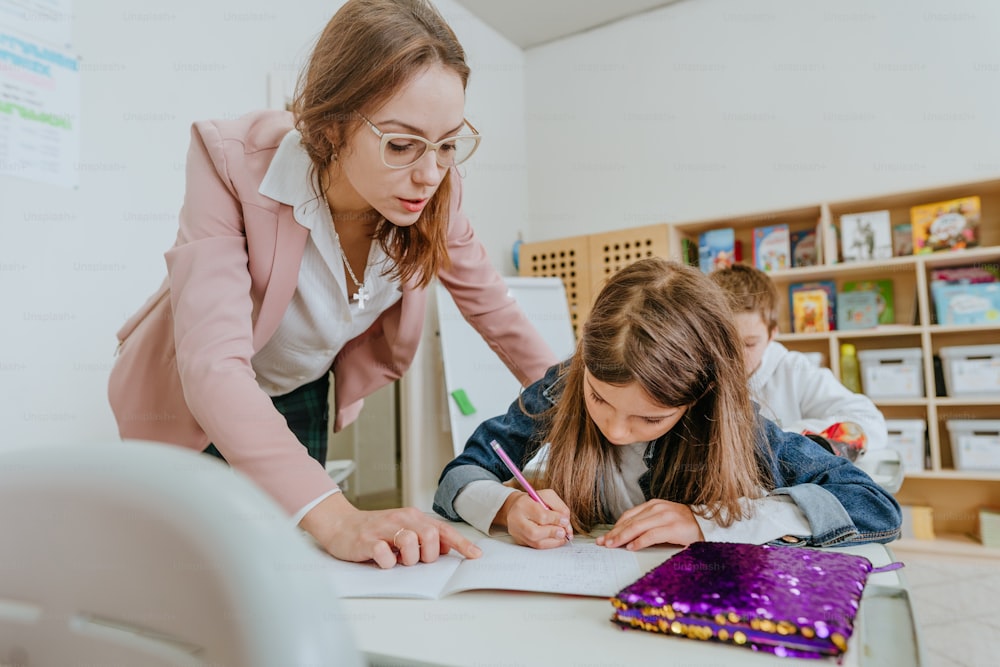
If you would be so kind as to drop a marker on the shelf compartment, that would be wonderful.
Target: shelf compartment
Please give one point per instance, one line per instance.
(900, 402)
(967, 401)
(951, 544)
(955, 500)
(951, 474)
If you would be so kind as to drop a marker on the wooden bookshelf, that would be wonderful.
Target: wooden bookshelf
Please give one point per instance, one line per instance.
(955, 495)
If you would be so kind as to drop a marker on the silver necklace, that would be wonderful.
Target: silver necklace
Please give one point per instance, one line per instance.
(361, 295)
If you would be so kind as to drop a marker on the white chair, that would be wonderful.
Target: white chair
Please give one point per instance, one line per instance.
(147, 554)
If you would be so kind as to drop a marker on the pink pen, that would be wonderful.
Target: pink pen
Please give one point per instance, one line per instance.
(520, 477)
(517, 473)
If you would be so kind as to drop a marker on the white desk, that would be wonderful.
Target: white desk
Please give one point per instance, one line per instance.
(508, 629)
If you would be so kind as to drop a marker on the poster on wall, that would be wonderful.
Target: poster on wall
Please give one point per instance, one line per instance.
(39, 111)
(48, 21)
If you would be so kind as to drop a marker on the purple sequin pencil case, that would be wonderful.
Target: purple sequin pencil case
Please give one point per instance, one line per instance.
(791, 601)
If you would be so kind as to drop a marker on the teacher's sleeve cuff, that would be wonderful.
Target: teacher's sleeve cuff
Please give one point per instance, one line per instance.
(305, 510)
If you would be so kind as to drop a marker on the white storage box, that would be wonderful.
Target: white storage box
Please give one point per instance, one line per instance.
(971, 370)
(897, 373)
(975, 443)
(906, 436)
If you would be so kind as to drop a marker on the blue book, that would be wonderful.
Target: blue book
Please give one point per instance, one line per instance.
(803, 246)
(857, 310)
(771, 248)
(827, 286)
(716, 249)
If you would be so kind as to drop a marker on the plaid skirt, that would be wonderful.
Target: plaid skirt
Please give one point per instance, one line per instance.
(307, 412)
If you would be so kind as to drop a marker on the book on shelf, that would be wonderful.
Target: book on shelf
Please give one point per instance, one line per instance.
(964, 295)
(866, 236)
(772, 248)
(902, 239)
(857, 310)
(810, 311)
(578, 568)
(989, 526)
(884, 292)
(827, 243)
(805, 321)
(945, 225)
(982, 273)
(689, 252)
(966, 303)
(918, 522)
(804, 248)
(717, 249)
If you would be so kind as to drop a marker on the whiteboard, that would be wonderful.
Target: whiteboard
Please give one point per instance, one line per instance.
(470, 364)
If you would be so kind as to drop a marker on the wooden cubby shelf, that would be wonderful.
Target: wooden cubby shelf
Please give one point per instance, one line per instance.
(955, 495)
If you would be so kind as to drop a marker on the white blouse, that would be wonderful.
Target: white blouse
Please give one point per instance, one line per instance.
(320, 319)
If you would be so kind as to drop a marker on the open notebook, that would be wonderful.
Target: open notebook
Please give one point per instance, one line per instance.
(578, 568)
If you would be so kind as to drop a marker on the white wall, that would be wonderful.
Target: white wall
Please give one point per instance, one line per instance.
(709, 108)
(703, 108)
(75, 263)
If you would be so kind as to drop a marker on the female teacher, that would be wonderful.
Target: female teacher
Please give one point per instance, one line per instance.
(306, 244)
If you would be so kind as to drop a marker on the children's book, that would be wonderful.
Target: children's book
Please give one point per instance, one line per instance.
(857, 310)
(865, 236)
(717, 249)
(980, 273)
(810, 311)
(945, 225)
(689, 252)
(884, 292)
(805, 252)
(918, 520)
(772, 248)
(577, 568)
(830, 289)
(902, 239)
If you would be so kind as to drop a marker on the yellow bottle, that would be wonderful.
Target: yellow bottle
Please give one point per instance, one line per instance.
(850, 375)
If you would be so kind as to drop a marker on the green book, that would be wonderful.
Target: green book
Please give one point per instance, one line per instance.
(689, 252)
(883, 288)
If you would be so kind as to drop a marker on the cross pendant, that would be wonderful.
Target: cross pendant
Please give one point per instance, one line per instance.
(360, 296)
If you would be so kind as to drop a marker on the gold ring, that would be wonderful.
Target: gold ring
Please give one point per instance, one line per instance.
(394, 537)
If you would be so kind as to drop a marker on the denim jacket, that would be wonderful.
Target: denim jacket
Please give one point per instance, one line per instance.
(841, 502)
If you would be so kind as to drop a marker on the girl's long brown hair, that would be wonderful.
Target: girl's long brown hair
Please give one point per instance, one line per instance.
(367, 51)
(668, 328)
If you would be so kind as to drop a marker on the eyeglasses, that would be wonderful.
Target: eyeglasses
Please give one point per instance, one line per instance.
(402, 150)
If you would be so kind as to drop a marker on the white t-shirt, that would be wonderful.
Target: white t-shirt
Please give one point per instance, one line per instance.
(798, 395)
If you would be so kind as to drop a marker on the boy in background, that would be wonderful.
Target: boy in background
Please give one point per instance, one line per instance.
(790, 389)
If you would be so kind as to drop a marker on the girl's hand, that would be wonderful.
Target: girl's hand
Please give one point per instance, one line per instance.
(388, 537)
(653, 522)
(532, 525)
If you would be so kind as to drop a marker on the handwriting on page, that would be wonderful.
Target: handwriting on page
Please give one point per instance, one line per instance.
(577, 568)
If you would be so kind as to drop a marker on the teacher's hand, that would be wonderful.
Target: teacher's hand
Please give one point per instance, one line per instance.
(405, 535)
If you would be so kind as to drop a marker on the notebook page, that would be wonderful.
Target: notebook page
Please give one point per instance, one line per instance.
(368, 580)
(577, 568)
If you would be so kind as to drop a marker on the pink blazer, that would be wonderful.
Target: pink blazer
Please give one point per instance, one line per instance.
(183, 372)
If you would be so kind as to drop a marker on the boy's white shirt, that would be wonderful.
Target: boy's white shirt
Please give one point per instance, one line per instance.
(798, 395)
(771, 517)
